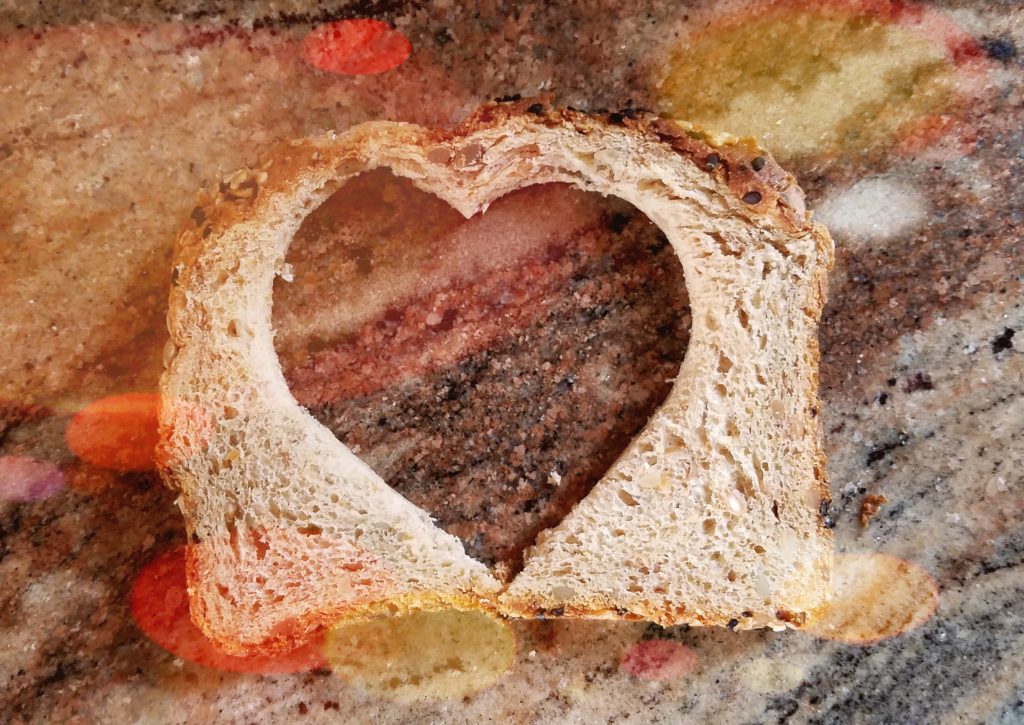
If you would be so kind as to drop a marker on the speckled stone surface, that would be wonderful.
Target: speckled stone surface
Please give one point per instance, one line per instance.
(493, 395)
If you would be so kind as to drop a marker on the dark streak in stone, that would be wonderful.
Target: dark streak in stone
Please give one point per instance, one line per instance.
(885, 291)
(877, 453)
(1001, 48)
(1004, 341)
(919, 382)
(443, 37)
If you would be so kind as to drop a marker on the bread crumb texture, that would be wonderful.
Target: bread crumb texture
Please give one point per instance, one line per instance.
(712, 515)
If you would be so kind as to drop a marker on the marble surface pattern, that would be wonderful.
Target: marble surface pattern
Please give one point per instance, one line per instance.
(113, 115)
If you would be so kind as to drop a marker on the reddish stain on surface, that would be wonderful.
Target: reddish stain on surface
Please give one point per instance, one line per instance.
(28, 479)
(159, 602)
(435, 330)
(356, 47)
(119, 432)
(659, 659)
(938, 137)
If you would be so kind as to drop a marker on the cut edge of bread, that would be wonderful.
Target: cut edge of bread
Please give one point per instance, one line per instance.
(290, 531)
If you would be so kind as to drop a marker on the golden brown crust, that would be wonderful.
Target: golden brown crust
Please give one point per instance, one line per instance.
(740, 164)
(749, 171)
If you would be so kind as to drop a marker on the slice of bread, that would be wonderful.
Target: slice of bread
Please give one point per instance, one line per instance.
(713, 515)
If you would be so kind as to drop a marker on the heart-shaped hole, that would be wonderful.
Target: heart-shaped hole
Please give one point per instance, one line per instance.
(489, 369)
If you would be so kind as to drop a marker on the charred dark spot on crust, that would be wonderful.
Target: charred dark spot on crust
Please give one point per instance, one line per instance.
(758, 163)
(198, 216)
(544, 613)
(712, 162)
(733, 623)
(752, 197)
(616, 118)
(509, 98)
(246, 190)
(536, 109)
(823, 510)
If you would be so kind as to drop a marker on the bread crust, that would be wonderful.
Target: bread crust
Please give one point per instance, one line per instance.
(221, 368)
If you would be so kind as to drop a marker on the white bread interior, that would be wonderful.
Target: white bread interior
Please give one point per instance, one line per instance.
(710, 516)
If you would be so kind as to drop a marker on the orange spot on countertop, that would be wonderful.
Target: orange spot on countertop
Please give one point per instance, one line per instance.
(159, 602)
(659, 659)
(28, 479)
(356, 47)
(119, 432)
(423, 656)
(870, 507)
(877, 597)
(937, 137)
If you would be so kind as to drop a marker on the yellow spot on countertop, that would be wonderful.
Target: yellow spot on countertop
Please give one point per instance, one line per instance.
(425, 656)
(806, 79)
(771, 676)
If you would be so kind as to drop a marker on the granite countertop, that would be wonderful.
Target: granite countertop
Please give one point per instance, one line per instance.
(490, 369)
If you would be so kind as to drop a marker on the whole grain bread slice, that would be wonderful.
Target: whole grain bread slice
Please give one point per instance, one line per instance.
(711, 516)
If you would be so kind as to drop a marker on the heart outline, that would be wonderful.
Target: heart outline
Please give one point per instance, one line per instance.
(226, 264)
